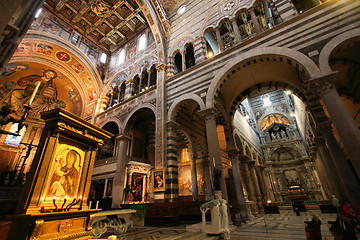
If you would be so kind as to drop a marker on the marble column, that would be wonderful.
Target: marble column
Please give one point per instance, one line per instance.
(256, 185)
(195, 193)
(250, 188)
(119, 96)
(209, 188)
(111, 99)
(160, 138)
(234, 156)
(119, 179)
(236, 30)
(199, 50)
(172, 187)
(219, 39)
(344, 123)
(349, 186)
(183, 60)
(262, 183)
(213, 145)
(129, 88)
(255, 20)
(149, 71)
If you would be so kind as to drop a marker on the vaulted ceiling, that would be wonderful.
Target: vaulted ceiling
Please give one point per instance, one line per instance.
(109, 24)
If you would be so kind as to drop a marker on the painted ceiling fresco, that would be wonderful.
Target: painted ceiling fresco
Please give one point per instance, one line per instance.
(18, 81)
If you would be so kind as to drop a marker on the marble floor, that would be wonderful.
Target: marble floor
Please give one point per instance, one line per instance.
(285, 225)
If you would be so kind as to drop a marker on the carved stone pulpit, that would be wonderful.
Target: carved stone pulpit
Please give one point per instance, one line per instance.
(53, 203)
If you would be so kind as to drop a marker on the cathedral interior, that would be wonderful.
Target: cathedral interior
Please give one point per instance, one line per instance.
(264, 91)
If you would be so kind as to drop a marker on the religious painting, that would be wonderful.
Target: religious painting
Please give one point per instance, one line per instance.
(137, 187)
(158, 180)
(44, 48)
(65, 172)
(184, 181)
(18, 83)
(270, 119)
(109, 187)
(131, 50)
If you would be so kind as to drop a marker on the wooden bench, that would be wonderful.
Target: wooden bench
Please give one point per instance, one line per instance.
(328, 208)
(118, 220)
(343, 228)
(312, 229)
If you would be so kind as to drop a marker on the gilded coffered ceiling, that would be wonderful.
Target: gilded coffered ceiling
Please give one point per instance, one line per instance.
(107, 23)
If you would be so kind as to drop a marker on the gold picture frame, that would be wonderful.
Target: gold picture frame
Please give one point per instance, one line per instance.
(158, 180)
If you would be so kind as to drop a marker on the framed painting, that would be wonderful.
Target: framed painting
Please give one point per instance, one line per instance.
(158, 177)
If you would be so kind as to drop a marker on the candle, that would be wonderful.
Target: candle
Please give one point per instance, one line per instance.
(90, 204)
(214, 161)
(97, 204)
(34, 93)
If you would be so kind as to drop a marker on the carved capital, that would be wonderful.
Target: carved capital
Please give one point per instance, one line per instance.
(130, 81)
(161, 67)
(324, 84)
(209, 114)
(233, 153)
(244, 159)
(123, 138)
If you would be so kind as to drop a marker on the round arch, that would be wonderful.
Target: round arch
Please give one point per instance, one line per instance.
(298, 57)
(331, 45)
(129, 119)
(176, 104)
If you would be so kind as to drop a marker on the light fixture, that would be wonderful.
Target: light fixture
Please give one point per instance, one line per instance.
(181, 10)
(288, 92)
(210, 54)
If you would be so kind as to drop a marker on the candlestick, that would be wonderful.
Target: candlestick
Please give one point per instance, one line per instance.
(65, 199)
(70, 205)
(54, 202)
(34, 93)
(81, 201)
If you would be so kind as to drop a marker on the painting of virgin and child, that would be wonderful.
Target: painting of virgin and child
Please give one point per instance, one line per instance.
(65, 175)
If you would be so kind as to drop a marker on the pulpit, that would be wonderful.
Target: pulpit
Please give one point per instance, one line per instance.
(53, 203)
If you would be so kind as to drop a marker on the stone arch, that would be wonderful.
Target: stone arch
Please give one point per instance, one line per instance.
(177, 103)
(130, 118)
(297, 57)
(238, 143)
(247, 151)
(331, 45)
(112, 119)
(140, 63)
(181, 42)
(113, 80)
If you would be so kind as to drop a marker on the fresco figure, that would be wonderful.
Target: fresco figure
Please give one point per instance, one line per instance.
(46, 96)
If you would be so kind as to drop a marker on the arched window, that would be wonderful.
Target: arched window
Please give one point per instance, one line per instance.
(144, 80)
(122, 92)
(142, 42)
(177, 63)
(227, 34)
(211, 44)
(115, 97)
(121, 57)
(189, 56)
(136, 85)
(153, 76)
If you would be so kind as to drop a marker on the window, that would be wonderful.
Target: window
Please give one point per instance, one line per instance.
(266, 101)
(121, 57)
(15, 140)
(103, 58)
(75, 38)
(181, 10)
(142, 42)
(38, 12)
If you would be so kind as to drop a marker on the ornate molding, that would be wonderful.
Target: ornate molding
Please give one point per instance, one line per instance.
(161, 67)
(209, 113)
(64, 126)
